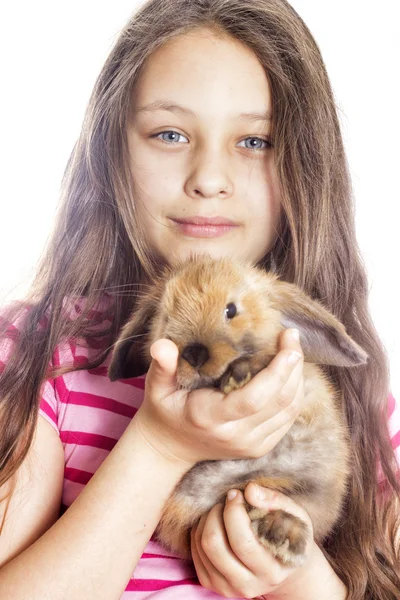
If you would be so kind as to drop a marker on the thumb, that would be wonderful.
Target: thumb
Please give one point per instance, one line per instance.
(161, 377)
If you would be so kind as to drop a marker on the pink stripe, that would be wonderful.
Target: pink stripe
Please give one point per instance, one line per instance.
(72, 344)
(50, 421)
(149, 555)
(135, 382)
(71, 491)
(62, 390)
(11, 332)
(56, 357)
(85, 399)
(101, 371)
(152, 585)
(85, 458)
(165, 569)
(88, 420)
(96, 344)
(99, 385)
(7, 347)
(46, 408)
(77, 475)
(88, 439)
(44, 322)
(81, 361)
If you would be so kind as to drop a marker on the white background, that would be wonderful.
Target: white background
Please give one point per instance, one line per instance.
(51, 54)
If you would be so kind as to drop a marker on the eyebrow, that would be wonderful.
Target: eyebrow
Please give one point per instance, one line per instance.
(170, 106)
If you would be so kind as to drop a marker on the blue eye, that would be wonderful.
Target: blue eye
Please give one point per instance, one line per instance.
(230, 310)
(258, 143)
(172, 136)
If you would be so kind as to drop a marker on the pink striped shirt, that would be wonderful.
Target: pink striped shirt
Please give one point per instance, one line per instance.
(90, 413)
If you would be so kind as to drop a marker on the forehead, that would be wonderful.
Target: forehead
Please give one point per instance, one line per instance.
(205, 72)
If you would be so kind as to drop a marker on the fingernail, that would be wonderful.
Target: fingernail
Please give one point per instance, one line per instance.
(295, 334)
(260, 492)
(232, 494)
(293, 358)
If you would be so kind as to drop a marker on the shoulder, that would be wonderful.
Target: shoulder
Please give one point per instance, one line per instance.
(35, 492)
(68, 384)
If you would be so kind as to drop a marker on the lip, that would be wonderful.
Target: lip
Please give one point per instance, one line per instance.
(205, 227)
(205, 221)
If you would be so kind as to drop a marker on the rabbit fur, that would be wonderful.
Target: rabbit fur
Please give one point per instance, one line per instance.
(192, 304)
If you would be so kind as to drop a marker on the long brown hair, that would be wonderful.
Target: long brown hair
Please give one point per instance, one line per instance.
(97, 247)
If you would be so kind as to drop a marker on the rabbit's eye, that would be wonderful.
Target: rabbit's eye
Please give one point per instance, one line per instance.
(230, 310)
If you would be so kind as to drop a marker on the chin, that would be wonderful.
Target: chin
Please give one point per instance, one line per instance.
(200, 250)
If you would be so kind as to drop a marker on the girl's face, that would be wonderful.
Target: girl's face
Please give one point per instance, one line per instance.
(199, 142)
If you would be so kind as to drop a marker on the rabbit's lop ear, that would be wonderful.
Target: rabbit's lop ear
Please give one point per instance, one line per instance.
(322, 337)
(128, 358)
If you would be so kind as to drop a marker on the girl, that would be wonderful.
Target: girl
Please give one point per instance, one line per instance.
(211, 128)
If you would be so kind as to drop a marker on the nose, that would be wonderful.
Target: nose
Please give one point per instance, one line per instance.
(210, 176)
(195, 354)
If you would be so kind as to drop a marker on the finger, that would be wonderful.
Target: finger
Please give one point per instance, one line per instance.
(241, 537)
(266, 433)
(263, 431)
(280, 378)
(270, 433)
(288, 400)
(268, 499)
(215, 551)
(271, 390)
(201, 566)
(248, 549)
(209, 576)
(258, 434)
(291, 397)
(161, 377)
(289, 339)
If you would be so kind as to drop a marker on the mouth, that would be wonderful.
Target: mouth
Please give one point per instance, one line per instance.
(196, 380)
(197, 220)
(199, 382)
(238, 369)
(205, 227)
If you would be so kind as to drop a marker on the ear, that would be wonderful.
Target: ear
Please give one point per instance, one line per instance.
(128, 357)
(322, 337)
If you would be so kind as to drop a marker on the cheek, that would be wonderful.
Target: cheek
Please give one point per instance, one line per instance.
(156, 190)
(154, 176)
(270, 182)
(263, 192)
(149, 180)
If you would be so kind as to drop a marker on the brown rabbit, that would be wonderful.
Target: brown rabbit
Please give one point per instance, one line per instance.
(225, 317)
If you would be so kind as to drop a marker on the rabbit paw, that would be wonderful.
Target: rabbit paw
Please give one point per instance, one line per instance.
(282, 533)
(236, 376)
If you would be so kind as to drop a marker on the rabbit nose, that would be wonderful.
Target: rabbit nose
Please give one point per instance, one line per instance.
(195, 354)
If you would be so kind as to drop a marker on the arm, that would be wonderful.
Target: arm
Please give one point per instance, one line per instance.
(104, 531)
(92, 550)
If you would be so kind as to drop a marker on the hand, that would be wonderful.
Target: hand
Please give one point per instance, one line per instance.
(208, 425)
(228, 557)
